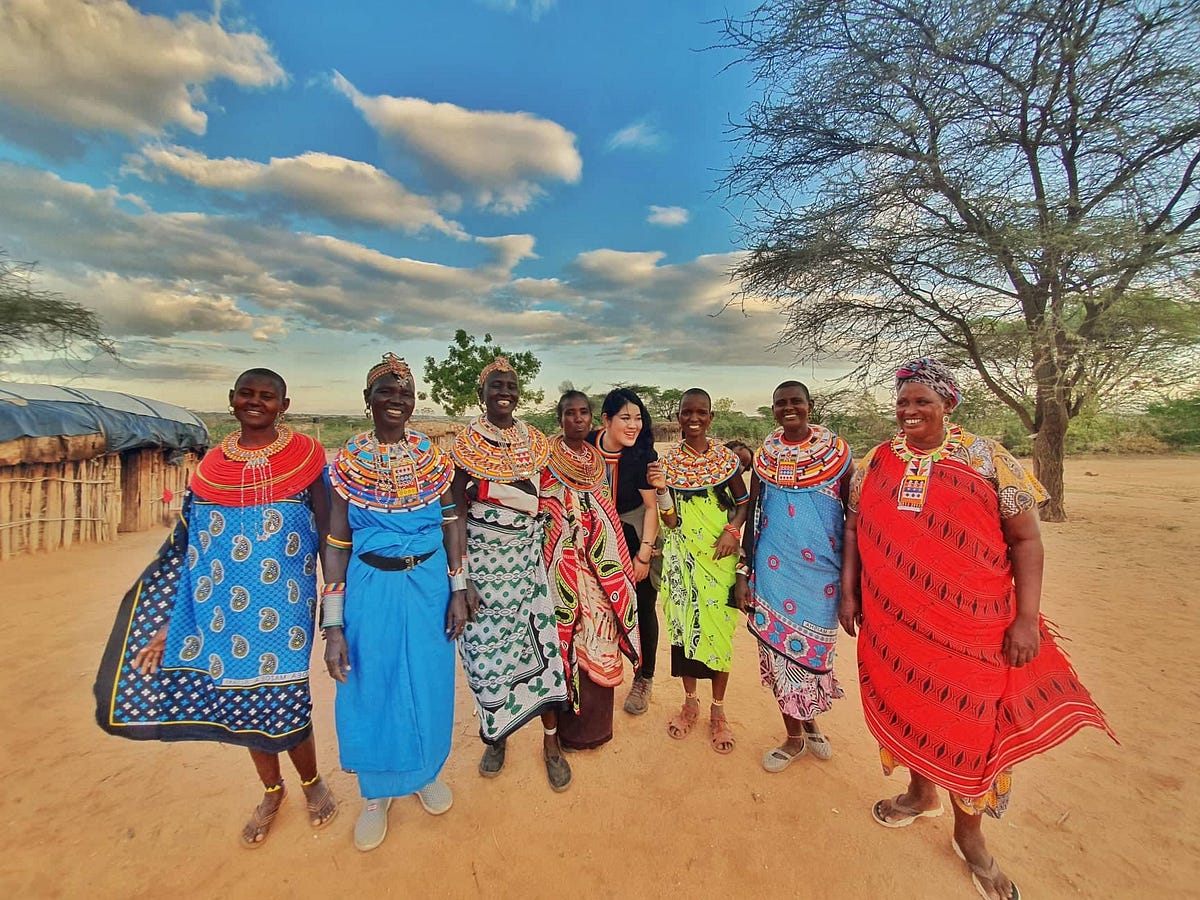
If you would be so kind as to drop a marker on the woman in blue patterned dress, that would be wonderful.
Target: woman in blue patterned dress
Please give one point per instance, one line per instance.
(791, 584)
(213, 641)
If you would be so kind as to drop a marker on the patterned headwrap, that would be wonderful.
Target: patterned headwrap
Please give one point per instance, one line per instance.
(499, 364)
(928, 371)
(391, 365)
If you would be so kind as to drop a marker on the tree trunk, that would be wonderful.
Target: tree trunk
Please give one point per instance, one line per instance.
(1048, 448)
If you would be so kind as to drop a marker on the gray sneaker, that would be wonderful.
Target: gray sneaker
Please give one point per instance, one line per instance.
(372, 824)
(638, 700)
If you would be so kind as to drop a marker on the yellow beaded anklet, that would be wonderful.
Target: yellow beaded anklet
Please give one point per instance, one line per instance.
(274, 790)
(315, 779)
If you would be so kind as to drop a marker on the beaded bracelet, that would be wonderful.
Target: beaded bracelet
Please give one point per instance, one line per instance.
(732, 529)
(338, 543)
(742, 569)
(742, 500)
(663, 513)
(332, 610)
(334, 587)
(453, 572)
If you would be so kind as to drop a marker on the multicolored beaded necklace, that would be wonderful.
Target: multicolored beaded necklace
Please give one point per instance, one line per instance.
(409, 474)
(581, 470)
(803, 464)
(503, 455)
(918, 466)
(689, 470)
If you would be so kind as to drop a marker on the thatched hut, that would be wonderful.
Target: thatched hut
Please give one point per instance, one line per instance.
(78, 466)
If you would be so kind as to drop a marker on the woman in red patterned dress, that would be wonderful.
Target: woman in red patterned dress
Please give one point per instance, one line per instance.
(942, 576)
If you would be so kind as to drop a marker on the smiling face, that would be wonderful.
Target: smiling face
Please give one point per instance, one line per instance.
(791, 406)
(920, 411)
(622, 430)
(576, 419)
(695, 415)
(501, 392)
(257, 402)
(392, 401)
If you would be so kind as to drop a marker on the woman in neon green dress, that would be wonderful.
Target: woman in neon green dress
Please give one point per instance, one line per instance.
(702, 497)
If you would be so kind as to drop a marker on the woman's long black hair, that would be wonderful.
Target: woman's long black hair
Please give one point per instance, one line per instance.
(616, 400)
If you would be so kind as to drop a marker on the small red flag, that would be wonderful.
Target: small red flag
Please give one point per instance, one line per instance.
(168, 496)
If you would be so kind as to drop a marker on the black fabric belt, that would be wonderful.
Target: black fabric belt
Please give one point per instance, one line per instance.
(394, 563)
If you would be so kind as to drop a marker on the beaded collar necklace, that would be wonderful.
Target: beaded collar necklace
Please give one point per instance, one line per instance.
(918, 465)
(257, 477)
(504, 455)
(581, 470)
(803, 464)
(690, 470)
(409, 474)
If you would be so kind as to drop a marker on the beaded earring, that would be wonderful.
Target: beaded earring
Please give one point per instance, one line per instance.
(945, 420)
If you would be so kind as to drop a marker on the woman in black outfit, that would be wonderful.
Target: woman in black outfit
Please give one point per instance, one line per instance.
(626, 441)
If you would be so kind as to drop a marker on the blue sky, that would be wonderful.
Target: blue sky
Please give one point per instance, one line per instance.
(306, 185)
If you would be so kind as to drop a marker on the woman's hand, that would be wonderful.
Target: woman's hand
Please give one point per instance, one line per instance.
(850, 609)
(726, 544)
(742, 596)
(473, 600)
(1022, 641)
(655, 477)
(150, 657)
(457, 615)
(337, 654)
(641, 570)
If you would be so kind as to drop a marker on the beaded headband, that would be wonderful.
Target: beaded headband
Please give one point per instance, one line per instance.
(499, 364)
(391, 365)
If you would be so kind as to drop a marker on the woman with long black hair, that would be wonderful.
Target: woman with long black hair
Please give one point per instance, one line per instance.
(626, 441)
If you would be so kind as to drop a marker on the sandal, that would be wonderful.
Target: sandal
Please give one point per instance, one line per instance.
(323, 808)
(681, 723)
(907, 814)
(254, 833)
(720, 735)
(991, 873)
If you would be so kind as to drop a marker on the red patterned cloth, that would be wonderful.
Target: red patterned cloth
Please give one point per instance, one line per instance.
(591, 579)
(937, 597)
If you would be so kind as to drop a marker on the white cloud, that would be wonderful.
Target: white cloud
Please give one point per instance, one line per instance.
(640, 135)
(535, 8)
(103, 65)
(503, 156)
(668, 215)
(343, 190)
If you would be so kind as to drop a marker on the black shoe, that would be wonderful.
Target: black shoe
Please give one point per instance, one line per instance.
(492, 761)
(558, 770)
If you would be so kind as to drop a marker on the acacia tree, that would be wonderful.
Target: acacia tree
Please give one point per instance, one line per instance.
(454, 381)
(972, 176)
(31, 317)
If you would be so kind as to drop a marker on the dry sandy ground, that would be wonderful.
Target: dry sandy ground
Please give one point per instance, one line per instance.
(89, 815)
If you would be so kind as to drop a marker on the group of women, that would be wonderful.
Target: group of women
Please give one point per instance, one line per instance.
(545, 560)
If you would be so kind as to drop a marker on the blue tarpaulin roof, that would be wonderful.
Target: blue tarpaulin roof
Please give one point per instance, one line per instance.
(126, 421)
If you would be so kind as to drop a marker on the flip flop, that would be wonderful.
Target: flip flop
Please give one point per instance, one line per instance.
(910, 815)
(778, 759)
(990, 874)
(320, 808)
(260, 823)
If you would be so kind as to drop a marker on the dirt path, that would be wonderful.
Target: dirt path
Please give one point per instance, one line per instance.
(86, 814)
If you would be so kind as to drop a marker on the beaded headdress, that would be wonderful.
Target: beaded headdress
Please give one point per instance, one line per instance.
(391, 365)
(499, 364)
